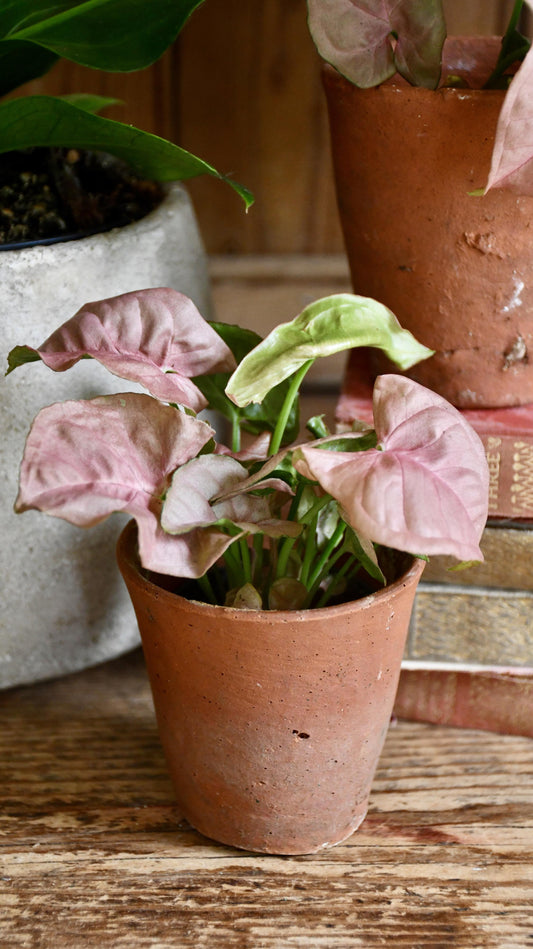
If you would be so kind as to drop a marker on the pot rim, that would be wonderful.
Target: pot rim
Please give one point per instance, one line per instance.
(129, 566)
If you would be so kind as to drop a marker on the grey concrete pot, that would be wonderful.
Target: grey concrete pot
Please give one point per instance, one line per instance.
(63, 605)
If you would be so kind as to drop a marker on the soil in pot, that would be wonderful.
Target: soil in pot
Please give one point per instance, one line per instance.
(58, 194)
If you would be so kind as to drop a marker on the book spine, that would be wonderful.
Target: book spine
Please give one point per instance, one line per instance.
(510, 460)
(471, 625)
(497, 702)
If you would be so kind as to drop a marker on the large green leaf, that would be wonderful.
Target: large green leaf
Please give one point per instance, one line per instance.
(114, 35)
(47, 121)
(20, 62)
(327, 326)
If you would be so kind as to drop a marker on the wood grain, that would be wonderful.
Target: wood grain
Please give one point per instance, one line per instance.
(93, 853)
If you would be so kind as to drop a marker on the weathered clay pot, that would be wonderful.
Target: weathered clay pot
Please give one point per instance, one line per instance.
(62, 605)
(271, 722)
(457, 270)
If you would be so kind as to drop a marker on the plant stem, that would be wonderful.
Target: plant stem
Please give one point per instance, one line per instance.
(246, 560)
(235, 433)
(281, 424)
(341, 573)
(323, 560)
(205, 585)
(258, 562)
(233, 567)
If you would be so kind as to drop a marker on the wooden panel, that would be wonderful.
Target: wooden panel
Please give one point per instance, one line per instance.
(94, 854)
(253, 105)
(477, 16)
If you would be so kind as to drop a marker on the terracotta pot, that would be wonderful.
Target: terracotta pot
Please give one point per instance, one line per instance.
(271, 722)
(457, 270)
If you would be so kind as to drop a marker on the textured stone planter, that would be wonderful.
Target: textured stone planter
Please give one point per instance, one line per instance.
(272, 722)
(456, 269)
(62, 603)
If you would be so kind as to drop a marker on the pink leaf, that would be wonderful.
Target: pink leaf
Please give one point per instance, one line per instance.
(512, 156)
(191, 499)
(154, 337)
(424, 489)
(369, 40)
(85, 460)
(215, 487)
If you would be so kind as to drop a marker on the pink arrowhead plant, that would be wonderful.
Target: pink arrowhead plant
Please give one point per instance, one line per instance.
(280, 521)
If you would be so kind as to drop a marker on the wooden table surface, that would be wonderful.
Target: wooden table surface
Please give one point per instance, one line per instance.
(93, 852)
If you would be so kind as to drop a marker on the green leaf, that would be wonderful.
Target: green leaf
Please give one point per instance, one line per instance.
(22, 62)
(363, 551)
(89, 102)
(254, 418)
(53, 122)
(327, 326)
(19, 356)
(348, 442)
(114, 35)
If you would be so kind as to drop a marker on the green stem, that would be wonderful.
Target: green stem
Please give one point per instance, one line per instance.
(281, 424)
(258, 559)
(205, 585)
(235, 433)
(234, 568)
(324, 561)
(246, 560)
(341, 573)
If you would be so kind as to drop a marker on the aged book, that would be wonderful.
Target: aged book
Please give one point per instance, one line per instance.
(507, 435)
(469, 655)
(498, 701)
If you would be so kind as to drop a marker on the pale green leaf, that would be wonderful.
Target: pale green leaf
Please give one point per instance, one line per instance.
(327, 326)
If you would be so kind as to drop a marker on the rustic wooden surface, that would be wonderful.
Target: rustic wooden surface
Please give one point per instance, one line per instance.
(93, 853)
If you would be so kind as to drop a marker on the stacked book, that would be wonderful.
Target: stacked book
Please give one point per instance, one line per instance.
(469, 656)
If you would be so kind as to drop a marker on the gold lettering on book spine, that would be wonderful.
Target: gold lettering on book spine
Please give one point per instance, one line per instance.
(494, 458)
(522, 486)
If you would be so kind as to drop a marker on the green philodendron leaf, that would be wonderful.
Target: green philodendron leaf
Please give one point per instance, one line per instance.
(89, 102)
(22, 62)
(327, 326)
(114, 35)
(254, 418)
(52, 122)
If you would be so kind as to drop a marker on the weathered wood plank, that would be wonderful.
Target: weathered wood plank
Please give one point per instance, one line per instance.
(92, 852)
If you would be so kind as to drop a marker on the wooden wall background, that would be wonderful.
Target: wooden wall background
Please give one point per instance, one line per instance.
(241, 88)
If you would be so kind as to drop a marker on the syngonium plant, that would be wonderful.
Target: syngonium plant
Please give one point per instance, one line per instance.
(369, 41)
(107, 35)
(285, 521)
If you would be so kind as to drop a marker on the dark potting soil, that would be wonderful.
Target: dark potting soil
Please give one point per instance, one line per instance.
(61, 193)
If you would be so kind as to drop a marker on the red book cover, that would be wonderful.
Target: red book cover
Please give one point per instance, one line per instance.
(497, 701)
(507, 435)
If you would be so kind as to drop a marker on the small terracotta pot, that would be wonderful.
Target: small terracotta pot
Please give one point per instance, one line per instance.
(271, 722)
(457, 270)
